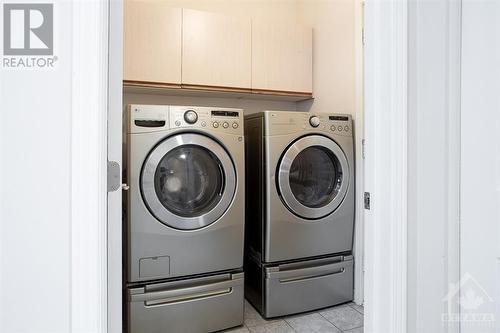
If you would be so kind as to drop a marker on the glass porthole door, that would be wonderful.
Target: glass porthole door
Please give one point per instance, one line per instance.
(313, 177)
(188, 181)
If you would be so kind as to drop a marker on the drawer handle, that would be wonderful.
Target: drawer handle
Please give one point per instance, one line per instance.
(328, 269)
(186, 293)
(312, 276)
(192, 297)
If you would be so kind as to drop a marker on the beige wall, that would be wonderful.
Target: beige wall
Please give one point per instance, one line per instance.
(334, 54)
(247, 104)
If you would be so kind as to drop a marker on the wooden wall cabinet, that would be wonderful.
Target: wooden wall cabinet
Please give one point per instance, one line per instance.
(193, 51)
(216, 50)
(281, 57)
(152, 42)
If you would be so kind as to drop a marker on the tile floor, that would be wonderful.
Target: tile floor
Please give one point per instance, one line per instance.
(343, 318)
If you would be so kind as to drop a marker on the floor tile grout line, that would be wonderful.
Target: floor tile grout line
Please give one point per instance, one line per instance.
(285, 319)
(354, 307)
(286, 323)
(330, 322)
(354, 328)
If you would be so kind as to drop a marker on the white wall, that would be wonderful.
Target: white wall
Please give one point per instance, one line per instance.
(35, 191)
(480, 160)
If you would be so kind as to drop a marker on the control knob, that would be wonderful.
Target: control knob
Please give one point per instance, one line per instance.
(314, 121)
(190, 116)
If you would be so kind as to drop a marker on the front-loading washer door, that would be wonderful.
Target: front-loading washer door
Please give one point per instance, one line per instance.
(313, 177)
(188, 181)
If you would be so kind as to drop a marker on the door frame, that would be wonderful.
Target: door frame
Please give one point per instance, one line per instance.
(114, 148)
(91, 253)
(359, 135)
(386, 135)
(409, 84)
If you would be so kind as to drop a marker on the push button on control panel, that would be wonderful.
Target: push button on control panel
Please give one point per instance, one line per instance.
(333, 128)
(346, 128)
(225, 124)
(177, 123)
(340, 128)
(235, 125)
(215, 124)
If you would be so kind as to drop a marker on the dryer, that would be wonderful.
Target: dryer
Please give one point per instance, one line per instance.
(184, 218)
(300, 211)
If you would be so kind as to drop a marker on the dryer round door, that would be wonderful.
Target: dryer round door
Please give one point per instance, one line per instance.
(313, 177)
(188, 181)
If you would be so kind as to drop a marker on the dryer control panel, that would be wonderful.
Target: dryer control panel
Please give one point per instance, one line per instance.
(285, 122)
(151, 118)
(339, 124)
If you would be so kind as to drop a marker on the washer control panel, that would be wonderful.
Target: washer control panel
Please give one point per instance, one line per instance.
(151, 118)
(220, 119)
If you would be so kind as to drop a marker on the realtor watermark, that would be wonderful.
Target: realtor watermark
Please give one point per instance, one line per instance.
(28, 35)
(467, 305)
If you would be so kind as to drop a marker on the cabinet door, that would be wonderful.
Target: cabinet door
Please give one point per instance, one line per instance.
(281, 57)
(216, 50)
(152, 42)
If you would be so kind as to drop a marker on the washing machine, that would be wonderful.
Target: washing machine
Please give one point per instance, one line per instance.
(184, 218)
(300, 211)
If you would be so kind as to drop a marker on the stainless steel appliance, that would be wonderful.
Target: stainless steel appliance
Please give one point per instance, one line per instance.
(184, 218)
(300, 211)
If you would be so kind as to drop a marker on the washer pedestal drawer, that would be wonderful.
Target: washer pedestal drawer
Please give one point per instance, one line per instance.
(302, 286)
(204, 304)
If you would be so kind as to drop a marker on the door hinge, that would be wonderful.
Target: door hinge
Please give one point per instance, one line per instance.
(363, 148)
(114, 177)
(367, 200)
(363, 23)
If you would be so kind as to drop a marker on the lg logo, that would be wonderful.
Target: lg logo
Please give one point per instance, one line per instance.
(28, 29)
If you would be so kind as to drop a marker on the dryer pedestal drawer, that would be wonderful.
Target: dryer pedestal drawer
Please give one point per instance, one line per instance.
(301, 286)
(296, 289)
(205, 304)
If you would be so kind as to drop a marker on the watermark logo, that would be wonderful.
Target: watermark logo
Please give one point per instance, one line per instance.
(466, 303)
(28, 35)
